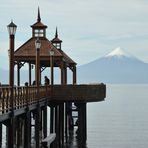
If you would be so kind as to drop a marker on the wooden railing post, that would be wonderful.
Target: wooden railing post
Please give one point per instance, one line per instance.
(8, 98)
(27, 96)
(1, 108)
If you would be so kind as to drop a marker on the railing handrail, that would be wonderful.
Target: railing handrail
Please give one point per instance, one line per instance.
(22, 96)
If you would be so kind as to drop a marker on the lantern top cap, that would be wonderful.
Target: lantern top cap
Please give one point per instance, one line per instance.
(12, 24)
(11, 28)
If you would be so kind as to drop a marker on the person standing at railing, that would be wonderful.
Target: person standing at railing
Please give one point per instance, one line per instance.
(46, 80)
(34, 82)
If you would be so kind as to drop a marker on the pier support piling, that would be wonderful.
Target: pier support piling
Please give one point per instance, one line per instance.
(37, 127)
(11, 133)
(82, 126)
(45, 122)
(0, 135)
(27, 133)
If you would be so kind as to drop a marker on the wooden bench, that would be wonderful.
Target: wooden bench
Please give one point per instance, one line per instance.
(48, 140)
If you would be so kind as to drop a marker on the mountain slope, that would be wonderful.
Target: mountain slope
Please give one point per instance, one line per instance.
(115, 67)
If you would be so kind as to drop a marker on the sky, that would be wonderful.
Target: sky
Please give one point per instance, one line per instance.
(89, 29)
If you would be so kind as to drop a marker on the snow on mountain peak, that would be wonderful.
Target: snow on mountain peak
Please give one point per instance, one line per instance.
(118, 52)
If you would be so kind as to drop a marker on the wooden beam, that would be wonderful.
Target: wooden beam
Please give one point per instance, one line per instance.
(79, 93)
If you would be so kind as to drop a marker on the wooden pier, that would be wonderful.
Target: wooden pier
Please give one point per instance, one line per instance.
(23, 109)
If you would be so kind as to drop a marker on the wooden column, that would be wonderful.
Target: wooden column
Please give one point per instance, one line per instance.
(27, 133)
(62, 72)
(51, 118)
(45, 122)
(65, 74)
(57, 122)
(37, 127)
(65, 106)
(18, 73)
(82, 127)
(74, 75)
(0, 135)
(40, 77)
(52, 123)
(85, 121)
(30, 74)
(66, 122)
(61, 106)
(52, 69)
(19, 131)
(62, 124)
(11, 133)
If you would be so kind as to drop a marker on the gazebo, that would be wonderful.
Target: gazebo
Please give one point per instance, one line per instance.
(27, 54)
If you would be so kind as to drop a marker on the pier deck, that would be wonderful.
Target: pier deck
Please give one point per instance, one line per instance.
(24, 97)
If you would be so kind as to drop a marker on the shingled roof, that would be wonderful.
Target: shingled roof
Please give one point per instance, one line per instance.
(28, 49)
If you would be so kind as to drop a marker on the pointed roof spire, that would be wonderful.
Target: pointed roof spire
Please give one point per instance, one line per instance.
(56, 34)
(38, 18)
(56, 38)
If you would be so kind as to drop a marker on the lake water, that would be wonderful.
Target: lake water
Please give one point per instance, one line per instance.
(121, 120)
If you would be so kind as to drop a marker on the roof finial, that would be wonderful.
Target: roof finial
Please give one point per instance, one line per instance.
(39, 18)
(56, 34)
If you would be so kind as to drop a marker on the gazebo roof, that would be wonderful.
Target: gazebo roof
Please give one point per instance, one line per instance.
(28, 48)
(27, 52)
(67, 59)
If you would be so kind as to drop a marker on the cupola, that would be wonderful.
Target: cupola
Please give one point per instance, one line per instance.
(56, 41)
(38, 29)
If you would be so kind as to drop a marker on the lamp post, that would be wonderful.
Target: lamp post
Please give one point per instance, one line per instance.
(37, 121)
(12, 30)
(11, 130)
(51, 53)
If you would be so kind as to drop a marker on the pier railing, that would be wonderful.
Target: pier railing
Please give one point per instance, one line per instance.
(21, 96)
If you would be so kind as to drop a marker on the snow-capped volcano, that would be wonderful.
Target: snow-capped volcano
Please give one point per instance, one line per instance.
(118, 52)
(116, 67)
